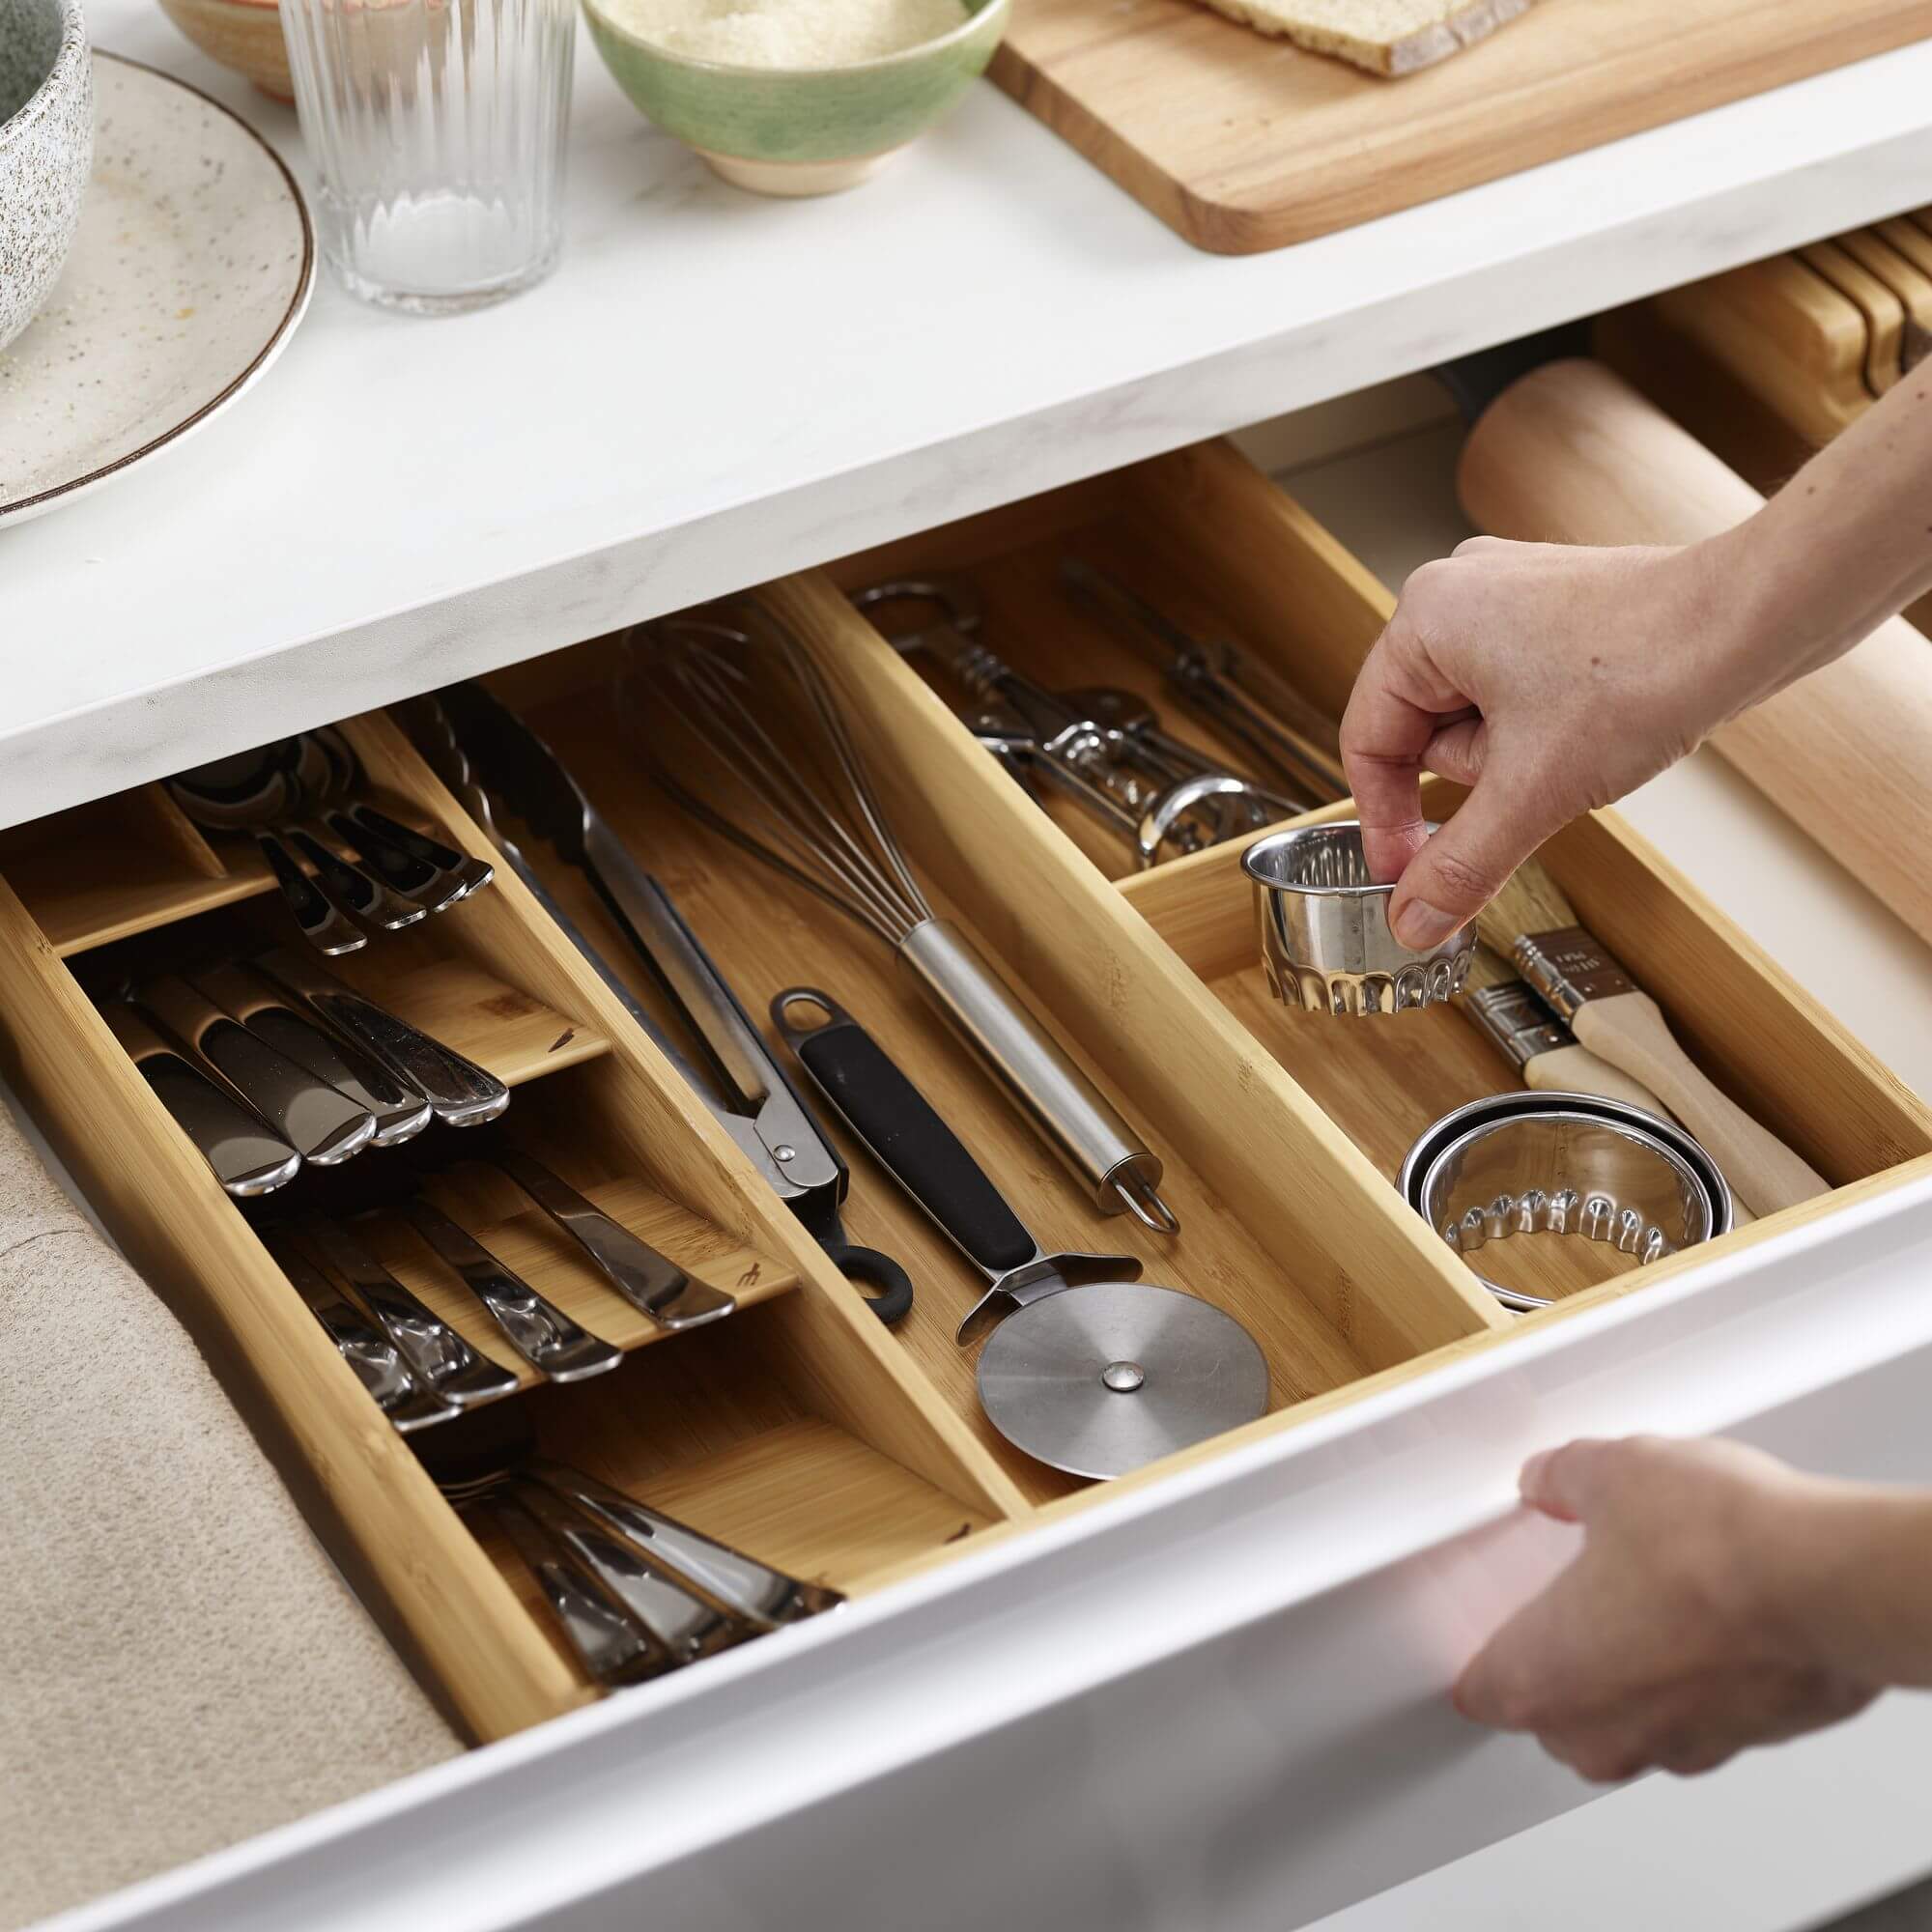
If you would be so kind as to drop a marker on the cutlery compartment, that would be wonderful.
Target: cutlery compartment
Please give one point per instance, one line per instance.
(804, 1402)
(725, 1433)
(1222, 551)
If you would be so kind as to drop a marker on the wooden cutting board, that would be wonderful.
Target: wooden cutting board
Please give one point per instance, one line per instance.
(1244, 143)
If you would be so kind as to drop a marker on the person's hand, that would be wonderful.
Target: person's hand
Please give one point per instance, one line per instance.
(1550, 679)
(1700, 1617)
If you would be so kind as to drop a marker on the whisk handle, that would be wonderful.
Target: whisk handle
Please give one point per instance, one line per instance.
(1064, 1107)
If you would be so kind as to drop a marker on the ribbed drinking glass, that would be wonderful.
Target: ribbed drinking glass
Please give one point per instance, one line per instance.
(438, 130)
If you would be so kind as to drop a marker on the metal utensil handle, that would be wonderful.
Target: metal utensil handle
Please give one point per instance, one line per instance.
(657, 931)
(650, 1282)
(405, 838)
(612, 1646)
(459, 1091)
(904, 1134)
(1069, 1111)
(360, 892)
(320, 1125)
(376, 1361)
(689, 1626)
(401, 1112)
(266, 1011)
(475, 873)
(246, 1156)
(323, 923)
(659, 937)
(541, 1332)
(755, 1591)
(447, 1363)
(429, 886)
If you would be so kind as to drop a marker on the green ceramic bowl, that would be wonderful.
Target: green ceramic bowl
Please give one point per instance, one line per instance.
(800, 130)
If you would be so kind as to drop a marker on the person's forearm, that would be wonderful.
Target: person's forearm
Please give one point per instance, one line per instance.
(1854, 1569)
(1843, 546)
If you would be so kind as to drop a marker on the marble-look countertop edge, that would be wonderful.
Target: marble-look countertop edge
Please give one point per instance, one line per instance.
(1262, 366)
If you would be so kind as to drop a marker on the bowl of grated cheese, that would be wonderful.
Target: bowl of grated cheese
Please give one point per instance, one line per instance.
(795, 97)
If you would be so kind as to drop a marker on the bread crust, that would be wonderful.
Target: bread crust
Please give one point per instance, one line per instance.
(1347, 28)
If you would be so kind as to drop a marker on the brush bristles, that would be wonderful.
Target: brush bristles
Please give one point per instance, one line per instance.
(1532, 902)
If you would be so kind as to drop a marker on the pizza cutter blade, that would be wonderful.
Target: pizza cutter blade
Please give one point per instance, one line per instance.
(1095, 1376)
(1112, 1375)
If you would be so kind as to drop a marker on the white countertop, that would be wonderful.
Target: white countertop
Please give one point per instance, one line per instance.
(714, 388)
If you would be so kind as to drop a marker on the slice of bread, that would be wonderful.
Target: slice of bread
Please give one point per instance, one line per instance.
(1387, 36)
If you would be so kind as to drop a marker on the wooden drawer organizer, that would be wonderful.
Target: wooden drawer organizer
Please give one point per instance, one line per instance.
(800, 1428)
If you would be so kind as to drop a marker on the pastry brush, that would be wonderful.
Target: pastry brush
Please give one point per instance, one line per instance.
(1508, 1012)
(1532, 921)
(1506, 1009)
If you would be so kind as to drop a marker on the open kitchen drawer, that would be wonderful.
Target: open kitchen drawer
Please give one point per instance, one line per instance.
(800, 1427)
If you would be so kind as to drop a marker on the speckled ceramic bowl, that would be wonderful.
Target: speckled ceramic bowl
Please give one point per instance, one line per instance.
(46, 149)
(800, 130)
(245, 35)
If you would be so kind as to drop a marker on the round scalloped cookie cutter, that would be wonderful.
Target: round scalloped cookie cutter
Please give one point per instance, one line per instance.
(1564, 1164)
(1325, 932)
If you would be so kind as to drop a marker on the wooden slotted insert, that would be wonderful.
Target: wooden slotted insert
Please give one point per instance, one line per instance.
(135, 862)
(1010, 561)
(1222, 550)
(449, 1168)
(433, 975)
(721, 1433)
(121, 865)
(619, 1121)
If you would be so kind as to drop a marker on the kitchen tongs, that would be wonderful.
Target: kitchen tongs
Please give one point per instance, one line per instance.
(499, 767)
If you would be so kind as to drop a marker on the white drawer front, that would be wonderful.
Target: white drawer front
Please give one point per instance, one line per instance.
(1219, 1701)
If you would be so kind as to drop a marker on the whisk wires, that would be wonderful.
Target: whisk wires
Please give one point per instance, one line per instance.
(721, 683)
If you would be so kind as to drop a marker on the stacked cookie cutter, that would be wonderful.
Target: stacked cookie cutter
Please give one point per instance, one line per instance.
(1325, 932)
(1564, 1164)
(1519, 1163)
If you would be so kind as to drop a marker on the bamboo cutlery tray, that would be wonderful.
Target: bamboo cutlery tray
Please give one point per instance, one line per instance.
(799, 1428)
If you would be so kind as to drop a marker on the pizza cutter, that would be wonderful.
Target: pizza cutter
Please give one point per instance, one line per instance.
(1087, 1368)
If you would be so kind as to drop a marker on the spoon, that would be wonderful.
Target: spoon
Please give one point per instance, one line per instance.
(255, 792)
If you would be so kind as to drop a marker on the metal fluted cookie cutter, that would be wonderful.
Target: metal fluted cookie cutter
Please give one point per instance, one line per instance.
(1324, 931)
(1564, 1164)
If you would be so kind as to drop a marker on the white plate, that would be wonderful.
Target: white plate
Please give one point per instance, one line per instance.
(194, 263)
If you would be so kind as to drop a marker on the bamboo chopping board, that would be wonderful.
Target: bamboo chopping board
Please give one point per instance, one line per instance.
(1243, 143)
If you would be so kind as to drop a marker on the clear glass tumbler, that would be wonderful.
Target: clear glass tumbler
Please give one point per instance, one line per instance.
(438, 130)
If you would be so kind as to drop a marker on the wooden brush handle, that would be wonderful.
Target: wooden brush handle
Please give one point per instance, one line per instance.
(1576, 1070)
(1572, 454)
(1630, 1032)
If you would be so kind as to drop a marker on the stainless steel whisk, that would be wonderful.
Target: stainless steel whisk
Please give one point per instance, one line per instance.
(824, 829)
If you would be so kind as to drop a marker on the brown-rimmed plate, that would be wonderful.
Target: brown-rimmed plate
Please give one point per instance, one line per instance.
(194, 263)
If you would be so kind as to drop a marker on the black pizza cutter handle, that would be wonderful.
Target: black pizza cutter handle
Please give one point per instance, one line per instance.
(906, 1135)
